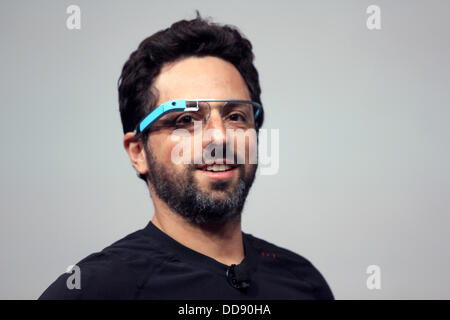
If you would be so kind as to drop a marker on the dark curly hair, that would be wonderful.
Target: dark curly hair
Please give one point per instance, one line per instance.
(198, 37)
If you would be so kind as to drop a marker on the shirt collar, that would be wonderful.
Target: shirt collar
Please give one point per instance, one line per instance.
(185, 254)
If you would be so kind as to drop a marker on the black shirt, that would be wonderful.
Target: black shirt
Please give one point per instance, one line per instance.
(149, 264)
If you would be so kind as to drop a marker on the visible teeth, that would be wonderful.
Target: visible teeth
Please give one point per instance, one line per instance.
(218, 167)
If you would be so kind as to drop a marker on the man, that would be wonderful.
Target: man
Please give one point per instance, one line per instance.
(192, 87)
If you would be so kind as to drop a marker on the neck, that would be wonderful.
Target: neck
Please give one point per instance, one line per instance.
(222, 242)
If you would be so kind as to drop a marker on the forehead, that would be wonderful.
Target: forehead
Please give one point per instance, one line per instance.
(200, 77)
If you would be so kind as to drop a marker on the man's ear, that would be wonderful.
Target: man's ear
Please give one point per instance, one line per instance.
(136, 152)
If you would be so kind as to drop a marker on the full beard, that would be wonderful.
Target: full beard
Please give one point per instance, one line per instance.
(183, 195)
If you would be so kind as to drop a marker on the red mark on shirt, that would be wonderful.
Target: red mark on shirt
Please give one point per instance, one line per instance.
(268, 254)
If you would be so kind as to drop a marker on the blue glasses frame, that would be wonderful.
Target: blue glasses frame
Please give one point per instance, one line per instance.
(181, 105)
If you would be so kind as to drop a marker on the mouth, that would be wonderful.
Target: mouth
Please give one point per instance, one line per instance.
(217, 171)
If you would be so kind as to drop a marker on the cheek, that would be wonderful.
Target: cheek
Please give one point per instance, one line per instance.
(161, 147)
(177, 150)
(246, 144)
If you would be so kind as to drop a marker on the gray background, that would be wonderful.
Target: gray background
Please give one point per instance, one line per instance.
(363, 118)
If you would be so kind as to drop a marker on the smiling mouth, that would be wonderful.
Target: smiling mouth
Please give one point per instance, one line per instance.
(217, 168)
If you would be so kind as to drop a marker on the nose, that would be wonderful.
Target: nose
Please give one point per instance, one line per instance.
(215, 131)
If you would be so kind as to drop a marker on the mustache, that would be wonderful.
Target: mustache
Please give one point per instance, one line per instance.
(215, 151)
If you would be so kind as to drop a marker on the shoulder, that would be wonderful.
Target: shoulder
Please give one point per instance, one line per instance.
(98, 276)
(299, 266)
(116, 272)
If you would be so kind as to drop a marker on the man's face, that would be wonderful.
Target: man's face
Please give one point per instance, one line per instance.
(193, 192)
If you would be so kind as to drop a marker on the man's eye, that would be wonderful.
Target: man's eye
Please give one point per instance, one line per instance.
(237, 117)
(185, 119)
